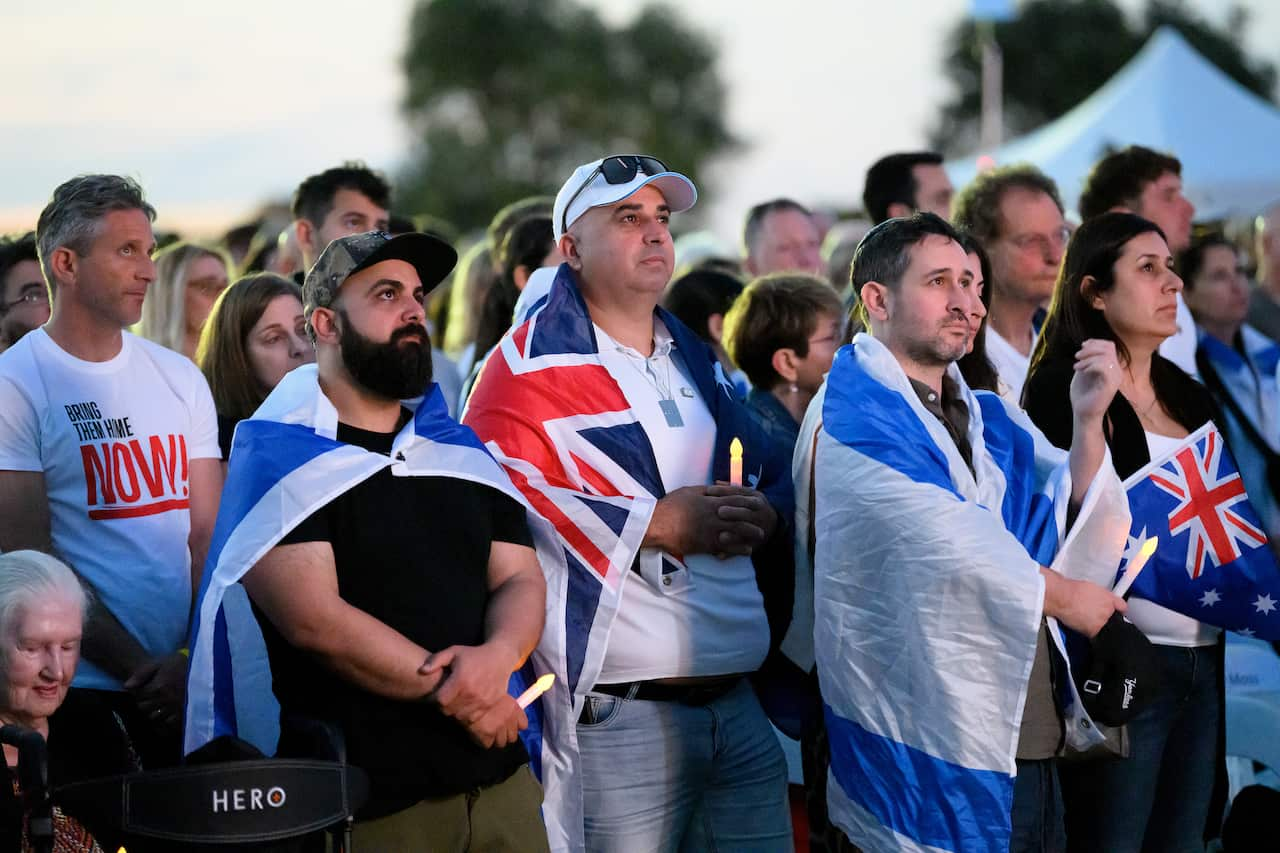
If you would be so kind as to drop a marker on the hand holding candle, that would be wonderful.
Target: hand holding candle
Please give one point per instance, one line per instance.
(1135, 565)
(542, 685)
(735, 463)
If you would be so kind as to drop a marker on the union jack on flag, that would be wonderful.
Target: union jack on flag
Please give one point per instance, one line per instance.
(1206, 494)
(550, 412)
(1214, 562)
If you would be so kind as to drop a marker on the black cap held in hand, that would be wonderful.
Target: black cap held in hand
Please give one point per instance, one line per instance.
(1122, 675)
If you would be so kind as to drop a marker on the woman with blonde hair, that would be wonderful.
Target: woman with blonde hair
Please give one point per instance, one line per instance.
(189, 278)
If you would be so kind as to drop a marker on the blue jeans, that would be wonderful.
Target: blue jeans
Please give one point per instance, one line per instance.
(661, 776)
(1037, 809)
(1157, 799)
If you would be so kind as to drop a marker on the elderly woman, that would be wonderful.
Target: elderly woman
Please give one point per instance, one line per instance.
(42, 609)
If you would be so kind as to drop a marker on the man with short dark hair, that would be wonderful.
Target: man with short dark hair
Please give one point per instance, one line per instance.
(900, 184)
(931, 579)
(616, 422)
(1016, 214)
(347, 199)
(109, 456)
(24, 297)
(781, 236)
(1149, 183)
(395, 581)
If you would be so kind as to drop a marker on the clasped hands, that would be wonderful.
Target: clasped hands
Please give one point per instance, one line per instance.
(471, 686)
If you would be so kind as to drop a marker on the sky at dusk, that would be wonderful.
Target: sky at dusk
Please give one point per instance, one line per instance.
(217, 111)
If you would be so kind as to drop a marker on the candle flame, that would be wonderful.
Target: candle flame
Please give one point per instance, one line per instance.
(542, 685)
(1148, 548)
(735, 449)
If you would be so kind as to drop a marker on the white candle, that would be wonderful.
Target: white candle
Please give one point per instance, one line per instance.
(735, 463)
(1135, 565)
(542, 685)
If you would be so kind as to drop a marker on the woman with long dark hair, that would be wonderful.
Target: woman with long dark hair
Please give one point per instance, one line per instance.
(255, 335)
(1118, 283)
(978, 371)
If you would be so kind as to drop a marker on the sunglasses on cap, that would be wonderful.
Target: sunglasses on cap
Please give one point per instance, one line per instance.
(618, 169)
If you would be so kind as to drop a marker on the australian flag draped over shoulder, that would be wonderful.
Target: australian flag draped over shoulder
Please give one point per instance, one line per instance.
(1213, 562)
(286, 463)
(928, 601)
(550, 412)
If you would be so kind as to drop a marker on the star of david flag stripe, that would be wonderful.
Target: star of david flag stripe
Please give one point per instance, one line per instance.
(286, 463)
(550, 412)
(1214, 562)
(928, 600)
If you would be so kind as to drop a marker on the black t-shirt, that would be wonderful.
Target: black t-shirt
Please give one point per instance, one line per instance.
(412, 552)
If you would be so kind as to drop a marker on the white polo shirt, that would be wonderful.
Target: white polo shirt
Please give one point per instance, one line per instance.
(709, 620)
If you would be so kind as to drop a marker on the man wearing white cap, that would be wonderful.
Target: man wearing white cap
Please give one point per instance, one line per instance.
(615, 421)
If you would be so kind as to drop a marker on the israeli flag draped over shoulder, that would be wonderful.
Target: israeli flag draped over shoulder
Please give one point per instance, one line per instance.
(286, 463)
(928, 600)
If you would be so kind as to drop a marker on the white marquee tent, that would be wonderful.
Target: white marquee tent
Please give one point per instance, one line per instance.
(1170, 98)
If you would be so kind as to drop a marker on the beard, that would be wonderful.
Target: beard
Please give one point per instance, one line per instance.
(399, 369)
(942, 349)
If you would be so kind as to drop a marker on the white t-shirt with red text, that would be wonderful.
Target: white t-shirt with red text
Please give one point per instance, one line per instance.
(114, 440)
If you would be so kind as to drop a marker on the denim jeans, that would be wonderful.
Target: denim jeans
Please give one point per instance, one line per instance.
(661, 776)
(1157, 799)
(1037, 809)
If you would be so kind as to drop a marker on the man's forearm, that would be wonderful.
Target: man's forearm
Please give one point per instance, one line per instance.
(516, 614)
(367, 652)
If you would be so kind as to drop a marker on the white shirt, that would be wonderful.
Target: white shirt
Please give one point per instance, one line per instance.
(114, 440)
(1011, 366)
(1163, 626)
(709, 620)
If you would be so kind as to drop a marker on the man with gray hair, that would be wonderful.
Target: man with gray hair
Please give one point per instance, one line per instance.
(109, 456)
(1015, 212)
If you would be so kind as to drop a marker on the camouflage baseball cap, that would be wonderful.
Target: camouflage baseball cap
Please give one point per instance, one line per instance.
(432, 257)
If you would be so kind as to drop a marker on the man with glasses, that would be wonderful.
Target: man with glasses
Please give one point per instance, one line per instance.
(616, 422)
(1016, 214)
(24, 299)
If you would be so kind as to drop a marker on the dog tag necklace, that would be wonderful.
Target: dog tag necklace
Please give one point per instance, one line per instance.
(666, 401)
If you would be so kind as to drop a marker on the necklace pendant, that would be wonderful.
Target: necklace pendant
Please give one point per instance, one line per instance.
(671, 412)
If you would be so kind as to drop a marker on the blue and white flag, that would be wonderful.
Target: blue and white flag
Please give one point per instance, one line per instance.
(286, 463)
(1213, 562)
(928, 600)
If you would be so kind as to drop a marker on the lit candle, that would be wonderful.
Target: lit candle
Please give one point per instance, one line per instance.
(1135, 565)
(735, 463)
(542, 685)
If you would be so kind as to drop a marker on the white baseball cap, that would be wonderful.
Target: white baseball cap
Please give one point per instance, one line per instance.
(610, 180)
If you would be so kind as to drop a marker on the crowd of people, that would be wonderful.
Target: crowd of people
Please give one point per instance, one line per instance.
(853, 484)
